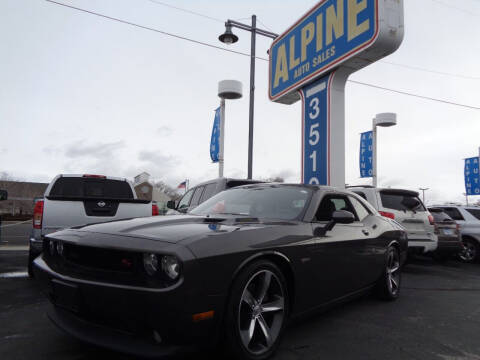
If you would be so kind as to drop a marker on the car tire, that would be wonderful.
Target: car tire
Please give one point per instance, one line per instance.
(471, 252)
(257, 312)
(388, 286)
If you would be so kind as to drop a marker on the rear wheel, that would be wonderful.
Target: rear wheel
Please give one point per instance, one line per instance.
(470, 251)
(257, 312)
(388, 286)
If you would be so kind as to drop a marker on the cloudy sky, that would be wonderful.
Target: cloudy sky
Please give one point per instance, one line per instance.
(83, 94)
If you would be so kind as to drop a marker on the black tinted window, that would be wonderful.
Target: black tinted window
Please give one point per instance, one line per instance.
(97, 188)
(330, 204)
(453, 213)
(402, 202)
(362, 194)
(439, 216)
(474, 212)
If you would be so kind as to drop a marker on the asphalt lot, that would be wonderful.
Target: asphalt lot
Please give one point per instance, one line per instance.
(436, 317)
(15, 233)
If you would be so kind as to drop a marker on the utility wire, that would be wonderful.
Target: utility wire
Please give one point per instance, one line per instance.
(186, 10)
(430, 71)
(456, 8)
(245, 54)
(414, 95)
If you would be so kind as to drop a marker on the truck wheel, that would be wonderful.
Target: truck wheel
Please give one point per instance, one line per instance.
(470, 252)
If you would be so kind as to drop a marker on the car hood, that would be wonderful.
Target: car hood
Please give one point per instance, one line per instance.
(170, 229)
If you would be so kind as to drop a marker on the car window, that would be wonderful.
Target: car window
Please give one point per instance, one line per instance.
(209, 191)
(196, 196)
(401, 201)
(185, 200)
(454, 213)
(360, 209)
(332, 203)
(263, 202)
(474, 212)
(439, 216)
(97, 188)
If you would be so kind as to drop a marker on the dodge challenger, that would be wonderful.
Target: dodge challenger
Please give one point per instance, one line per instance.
(231, 273)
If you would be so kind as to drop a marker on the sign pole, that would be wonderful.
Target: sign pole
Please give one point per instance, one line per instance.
(221, 141)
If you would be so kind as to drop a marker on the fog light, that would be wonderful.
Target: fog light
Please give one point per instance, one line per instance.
(52, 247)
(60, 248)
(150, 263)
(171, 266)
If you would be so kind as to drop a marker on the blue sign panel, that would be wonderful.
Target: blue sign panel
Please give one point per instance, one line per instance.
(316, 132)
(329, 34)
(215, 142)
(366, 154)
(472, 177)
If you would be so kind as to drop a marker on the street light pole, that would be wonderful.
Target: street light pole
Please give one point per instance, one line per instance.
(229, 38)
(383, 120)
(423, 193)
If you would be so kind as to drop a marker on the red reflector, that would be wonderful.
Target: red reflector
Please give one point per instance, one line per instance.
(38, 215)
(387, 214)
(430, 218)
(155, 210)
(94, 176)
(203, 316)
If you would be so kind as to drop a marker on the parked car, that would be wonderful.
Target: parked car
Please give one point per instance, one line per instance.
(232, 271)
(468, 218)
(405, 207)
(204, 191)
(73, 200)
(447, 231)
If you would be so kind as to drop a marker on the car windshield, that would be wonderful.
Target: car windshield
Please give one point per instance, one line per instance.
(268, 202)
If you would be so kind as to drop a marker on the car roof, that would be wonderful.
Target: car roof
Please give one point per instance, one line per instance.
(385, 190)
(228, 180)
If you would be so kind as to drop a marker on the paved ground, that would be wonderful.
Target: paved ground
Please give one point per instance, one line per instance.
(437, 317)
(15, 233)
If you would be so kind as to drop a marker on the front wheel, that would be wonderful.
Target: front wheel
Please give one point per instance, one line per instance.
(257, 312)
(388, 286)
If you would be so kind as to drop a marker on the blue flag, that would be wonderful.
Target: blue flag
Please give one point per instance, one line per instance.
(215, 142)
(472, 178)
(366, 154)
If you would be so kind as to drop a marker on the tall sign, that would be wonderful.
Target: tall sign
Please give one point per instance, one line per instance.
(472, 176)
(330, 42)
(366, 154)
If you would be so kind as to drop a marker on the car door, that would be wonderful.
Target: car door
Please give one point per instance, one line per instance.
(184, 202)
(337, 261)
(196, 198)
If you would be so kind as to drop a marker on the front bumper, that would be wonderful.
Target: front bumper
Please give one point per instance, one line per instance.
(128, 319)
(422, 246)
(449, 245)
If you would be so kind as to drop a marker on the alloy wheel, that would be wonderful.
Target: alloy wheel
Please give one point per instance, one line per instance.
(393, 271)
(469, 251)
(261, 312)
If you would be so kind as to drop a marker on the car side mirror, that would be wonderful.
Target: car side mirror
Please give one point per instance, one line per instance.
(171, 204)
(3, 194)
(340, 217)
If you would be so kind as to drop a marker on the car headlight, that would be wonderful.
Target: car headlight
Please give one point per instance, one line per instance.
(60, 248)
(171, 266)
(51, 246)
(150, 263)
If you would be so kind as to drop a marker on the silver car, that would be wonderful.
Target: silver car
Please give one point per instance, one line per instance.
(468, 217)
(405, 207)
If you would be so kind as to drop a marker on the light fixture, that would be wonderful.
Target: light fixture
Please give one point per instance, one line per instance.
(228, 37)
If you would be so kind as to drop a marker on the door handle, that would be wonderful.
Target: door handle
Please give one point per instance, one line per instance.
(365, 232)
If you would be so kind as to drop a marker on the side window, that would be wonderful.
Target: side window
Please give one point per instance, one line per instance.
(183, 204)
(209, 192)
(196, 196)
(453, 213)
(474, 212)
(330, 204)
(360, 209)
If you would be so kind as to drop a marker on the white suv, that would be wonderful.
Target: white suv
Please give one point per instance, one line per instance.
(405, 207)
(468, 218)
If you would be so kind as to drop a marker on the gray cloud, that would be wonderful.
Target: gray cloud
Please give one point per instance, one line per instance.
(164, 130)
(97, 151)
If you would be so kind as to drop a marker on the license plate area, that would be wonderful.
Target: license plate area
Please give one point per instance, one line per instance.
(448, 231)
(65, 295)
